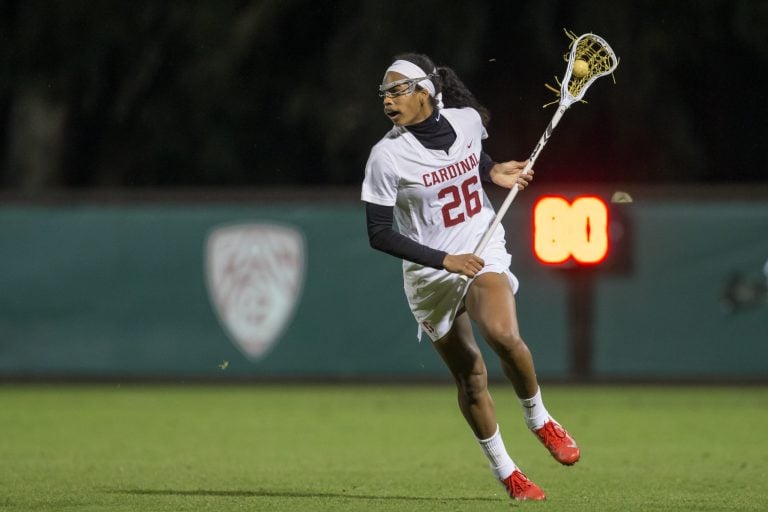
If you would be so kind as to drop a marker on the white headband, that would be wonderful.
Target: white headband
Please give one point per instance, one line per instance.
(410, 70)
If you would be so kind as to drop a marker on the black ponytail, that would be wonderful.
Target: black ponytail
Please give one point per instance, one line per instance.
(455, 93)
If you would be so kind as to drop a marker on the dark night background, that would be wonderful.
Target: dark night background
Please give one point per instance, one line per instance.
(283, 93)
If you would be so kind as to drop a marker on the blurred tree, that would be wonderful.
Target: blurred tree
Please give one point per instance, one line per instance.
(283, 92)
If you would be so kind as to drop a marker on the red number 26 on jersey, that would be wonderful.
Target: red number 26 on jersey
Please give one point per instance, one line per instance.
(463, 201)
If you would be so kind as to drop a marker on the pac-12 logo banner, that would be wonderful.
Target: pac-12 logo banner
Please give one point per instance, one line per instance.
(255, 273)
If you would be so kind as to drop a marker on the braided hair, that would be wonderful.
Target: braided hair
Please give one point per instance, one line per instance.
(455, 93)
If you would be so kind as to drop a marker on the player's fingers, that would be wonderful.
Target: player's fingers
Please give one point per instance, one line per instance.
(470, 267)
(513, 166)
(523, 180)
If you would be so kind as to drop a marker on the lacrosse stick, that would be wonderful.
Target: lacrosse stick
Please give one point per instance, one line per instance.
(593, 58)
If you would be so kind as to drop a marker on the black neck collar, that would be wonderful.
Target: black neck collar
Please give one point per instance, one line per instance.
(435, 132)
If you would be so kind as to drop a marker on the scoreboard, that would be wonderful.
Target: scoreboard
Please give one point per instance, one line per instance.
(581, 232)
(586, 237)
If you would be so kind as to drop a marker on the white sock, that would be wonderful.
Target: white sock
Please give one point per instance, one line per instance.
(534, 412)
(501, 463)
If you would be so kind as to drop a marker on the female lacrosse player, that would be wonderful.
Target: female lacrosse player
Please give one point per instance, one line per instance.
(426, 174)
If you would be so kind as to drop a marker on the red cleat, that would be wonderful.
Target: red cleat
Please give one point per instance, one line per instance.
(559, 442)
(520, 488)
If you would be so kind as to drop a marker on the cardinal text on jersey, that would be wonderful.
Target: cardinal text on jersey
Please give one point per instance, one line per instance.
(448, 173)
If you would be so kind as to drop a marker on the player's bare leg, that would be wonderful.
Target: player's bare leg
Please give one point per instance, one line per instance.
(460, 352)
(491, 304)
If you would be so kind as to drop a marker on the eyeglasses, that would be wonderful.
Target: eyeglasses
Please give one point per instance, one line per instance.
(400, 87)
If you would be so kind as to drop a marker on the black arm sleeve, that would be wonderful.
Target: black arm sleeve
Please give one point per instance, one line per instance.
(383, 238)
(486, 164)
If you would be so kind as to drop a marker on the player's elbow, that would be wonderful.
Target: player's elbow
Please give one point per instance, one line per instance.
(376, 242)
(377, 238)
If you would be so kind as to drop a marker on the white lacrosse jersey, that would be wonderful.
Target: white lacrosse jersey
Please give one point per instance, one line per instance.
(439, 202)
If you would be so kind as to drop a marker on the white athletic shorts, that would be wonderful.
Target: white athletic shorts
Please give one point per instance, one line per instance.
(434, 295)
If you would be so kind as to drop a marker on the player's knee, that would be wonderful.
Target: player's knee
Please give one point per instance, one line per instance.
(474, 383)
(508, 344)
(515, 341)
(504, 333)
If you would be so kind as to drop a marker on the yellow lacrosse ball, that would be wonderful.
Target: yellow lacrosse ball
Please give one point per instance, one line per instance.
(580, 68)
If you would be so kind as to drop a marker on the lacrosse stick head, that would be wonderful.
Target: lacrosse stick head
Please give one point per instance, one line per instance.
(600, 60)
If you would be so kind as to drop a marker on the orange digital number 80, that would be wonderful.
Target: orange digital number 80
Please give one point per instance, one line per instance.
(562, 230)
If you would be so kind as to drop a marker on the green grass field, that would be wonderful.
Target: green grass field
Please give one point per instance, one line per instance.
(370, 448)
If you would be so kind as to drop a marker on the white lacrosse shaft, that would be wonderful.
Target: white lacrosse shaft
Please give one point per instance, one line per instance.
(515, 189)
(561, 108)
(567, 98)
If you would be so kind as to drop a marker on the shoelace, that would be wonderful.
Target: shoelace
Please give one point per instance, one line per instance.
(519, 482)
(552, 433)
